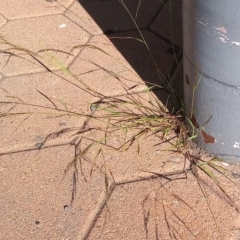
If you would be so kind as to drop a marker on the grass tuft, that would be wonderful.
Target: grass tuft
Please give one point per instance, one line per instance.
(134, 114)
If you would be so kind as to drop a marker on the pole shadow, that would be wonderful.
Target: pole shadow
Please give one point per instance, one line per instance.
(160, 22)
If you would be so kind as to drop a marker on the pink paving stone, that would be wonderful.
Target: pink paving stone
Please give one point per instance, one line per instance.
(36, 197)
(32, 129)
(28, 8)
(2, 20)
(55, 32)
(108, 64)
(32, 195)
(25, 64)
(160, 208)
(103, 68)
(43, 33)
(80, 16)
(17, 65)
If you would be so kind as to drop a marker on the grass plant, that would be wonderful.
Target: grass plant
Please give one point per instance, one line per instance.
(134, 114)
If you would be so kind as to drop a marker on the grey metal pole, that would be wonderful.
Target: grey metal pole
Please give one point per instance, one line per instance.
(211, 59)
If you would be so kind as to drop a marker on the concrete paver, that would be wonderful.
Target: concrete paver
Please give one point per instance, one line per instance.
(131, 194)
(18, 65)
(102, 66)
(27, 9)
(36, 203)
(36, 36)
(145, 218)
(112, 68)
(2, 20)
(168, 24)
(81, 17)
(31, 129)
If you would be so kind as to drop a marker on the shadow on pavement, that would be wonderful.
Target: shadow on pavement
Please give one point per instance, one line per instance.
(161, 25)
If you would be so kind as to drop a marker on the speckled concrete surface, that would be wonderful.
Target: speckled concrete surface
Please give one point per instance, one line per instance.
(141, 193)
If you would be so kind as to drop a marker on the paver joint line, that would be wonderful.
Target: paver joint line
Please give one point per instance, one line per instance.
(70, 47)
(104, 197)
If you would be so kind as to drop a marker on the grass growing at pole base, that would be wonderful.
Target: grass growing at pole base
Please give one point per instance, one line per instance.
(133, 113)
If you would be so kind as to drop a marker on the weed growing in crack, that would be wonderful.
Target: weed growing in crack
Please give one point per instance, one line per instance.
(133, 115)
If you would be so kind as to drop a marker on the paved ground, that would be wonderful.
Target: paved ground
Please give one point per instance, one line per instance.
(117, 194)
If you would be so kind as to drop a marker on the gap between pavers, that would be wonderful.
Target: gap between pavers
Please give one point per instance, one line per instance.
(29, 10)
(42, 44)
(129, 163)
(140, 207)
(106, 196)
